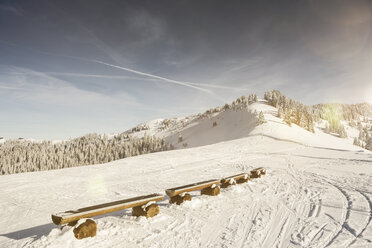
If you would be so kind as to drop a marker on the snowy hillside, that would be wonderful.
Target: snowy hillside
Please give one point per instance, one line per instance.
(333, 124)
(325, 123)
(233, 124)
(317, 192)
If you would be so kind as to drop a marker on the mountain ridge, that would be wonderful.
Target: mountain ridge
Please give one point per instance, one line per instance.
(336, 126)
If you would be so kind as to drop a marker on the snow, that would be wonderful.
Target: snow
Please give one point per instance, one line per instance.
(230, 125)
(317, 192)
(72, 215)
(148, 204)
(235, 124)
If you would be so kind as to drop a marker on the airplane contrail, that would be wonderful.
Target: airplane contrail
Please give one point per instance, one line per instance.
(219, 86)
(97, 76)
(9, 88)
(216, 86)
(187, 84)
(183, 83)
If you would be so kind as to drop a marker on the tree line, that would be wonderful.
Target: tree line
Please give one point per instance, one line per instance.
(18, 156)
(334, 113)
(291, 111)
(24, 156)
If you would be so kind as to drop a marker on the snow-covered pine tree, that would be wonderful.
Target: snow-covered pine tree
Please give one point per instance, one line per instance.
(356, 141)
(327, 129)
(22, 155)
(368, 145)
(342, 132)
(261, 118)
(287, 118)
(280, 112)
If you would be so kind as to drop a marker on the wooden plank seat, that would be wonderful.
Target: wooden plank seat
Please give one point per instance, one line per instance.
(232, 180)
(140, 207)
(258, 172)
(179, 195)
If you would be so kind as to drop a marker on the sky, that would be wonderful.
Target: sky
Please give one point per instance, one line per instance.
(68, 68)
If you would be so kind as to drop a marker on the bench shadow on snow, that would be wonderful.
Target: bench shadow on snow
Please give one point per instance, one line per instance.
(37, 232)
(33, 232)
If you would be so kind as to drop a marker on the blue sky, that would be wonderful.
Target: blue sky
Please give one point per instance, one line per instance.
(68, 68)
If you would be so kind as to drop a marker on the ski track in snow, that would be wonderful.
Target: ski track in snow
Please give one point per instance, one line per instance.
(276, 210)
(344, 228)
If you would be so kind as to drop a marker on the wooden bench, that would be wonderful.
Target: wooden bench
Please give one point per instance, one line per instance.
(179, 195)
(232, 180)
(258, 172)
(141, 206)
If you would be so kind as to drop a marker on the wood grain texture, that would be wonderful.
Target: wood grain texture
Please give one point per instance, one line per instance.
(178, 199)
(86, 230)
(258, 172)
(211, 191)
(88, 212)
(148, 212)
(191, 187)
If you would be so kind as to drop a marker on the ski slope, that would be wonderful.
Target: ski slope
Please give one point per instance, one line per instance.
(317, 192)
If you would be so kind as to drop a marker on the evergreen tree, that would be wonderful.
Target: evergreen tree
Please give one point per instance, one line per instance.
(368, 145)
(287, 118)
(261, 119)
(356, 142)
(22, 156)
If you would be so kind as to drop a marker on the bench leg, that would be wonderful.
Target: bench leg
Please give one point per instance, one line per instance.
(255, 174)
(227, 183)
(86, 229)
(72, 223)
(69, 224)
(178, 199)
(149, 211)
(211, 191)
(242, 180)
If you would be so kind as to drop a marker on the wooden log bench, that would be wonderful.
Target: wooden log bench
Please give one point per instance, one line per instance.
(179, 194)
(141, 206)
(258, 172)
(232, 180)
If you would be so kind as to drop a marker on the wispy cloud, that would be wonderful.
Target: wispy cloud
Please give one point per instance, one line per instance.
(15, 10)
(155, 29)
(38, 87)
(148, 75)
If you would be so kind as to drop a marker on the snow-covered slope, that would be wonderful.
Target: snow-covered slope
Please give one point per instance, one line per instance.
(229, 125)
(233, 124)
(310, 197)
(317, 192)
